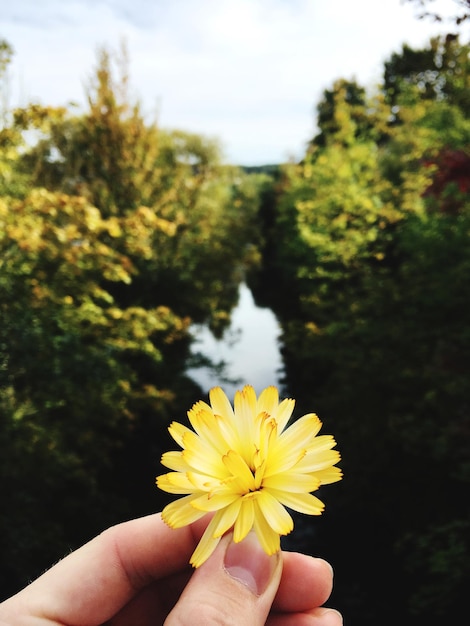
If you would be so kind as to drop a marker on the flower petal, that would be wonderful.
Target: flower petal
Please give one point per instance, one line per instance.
(268, 401)
(177, 431)
(329, 475)
(275, 514)
(293, 482)
(225, 417)
(204, 483)
(198, 407)
(283, 414)
(316, 461)
(228, 516)
(245, 403)
(301, 502)
(268, 431)
(220, 403)
(268, 538)
(301, 432)
(175, 482)
(208, 502)
(207, 425)
(245, 519)
(203, 463)
(322, 442)
(207, 543)
(292, 445)
(181, 512)
(280, 463)
(174, 460)
(245, 413)
(237, 466)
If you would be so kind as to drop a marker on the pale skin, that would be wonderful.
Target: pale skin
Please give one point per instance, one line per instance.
(137, 574)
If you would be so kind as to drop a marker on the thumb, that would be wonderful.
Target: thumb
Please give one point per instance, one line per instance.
(236, 585)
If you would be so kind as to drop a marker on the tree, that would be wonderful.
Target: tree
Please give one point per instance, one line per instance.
(71, 393)
(369, 239)
(121, 236)
(438, 72)
(11, 180)
(329, 110)
(438, 17)
(121, 163)
(6, 53)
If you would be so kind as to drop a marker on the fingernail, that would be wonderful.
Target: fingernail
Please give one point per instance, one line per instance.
(332, 615)
(248, 563)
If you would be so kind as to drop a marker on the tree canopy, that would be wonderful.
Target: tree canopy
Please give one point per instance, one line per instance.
(367, 240)
(115, 237)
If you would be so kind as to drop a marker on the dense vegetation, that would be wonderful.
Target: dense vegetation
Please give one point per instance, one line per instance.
(367, 263)
(115, 236)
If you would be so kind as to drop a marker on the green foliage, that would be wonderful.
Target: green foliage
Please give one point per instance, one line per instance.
(12, 182)
(71, 389)
(114, 237)
(331, 112)
(437, 72)
(125, 166)
(369, 251)
(108, 155)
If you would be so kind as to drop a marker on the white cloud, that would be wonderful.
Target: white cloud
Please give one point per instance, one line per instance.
(248, 71)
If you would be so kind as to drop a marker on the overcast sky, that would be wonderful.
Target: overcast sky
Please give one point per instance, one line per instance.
(247, 72)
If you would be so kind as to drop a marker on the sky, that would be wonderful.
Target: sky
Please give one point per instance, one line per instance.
(247, 73)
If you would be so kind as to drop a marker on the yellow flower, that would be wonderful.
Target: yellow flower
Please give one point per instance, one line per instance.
(245, 466)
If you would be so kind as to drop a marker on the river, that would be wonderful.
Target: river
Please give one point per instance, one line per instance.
(249, 347)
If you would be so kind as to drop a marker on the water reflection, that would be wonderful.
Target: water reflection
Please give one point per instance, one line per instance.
(249, 348)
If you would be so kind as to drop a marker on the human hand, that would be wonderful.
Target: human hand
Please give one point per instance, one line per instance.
(137, 574)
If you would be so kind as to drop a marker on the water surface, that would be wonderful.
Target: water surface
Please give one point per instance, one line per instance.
(249, 347)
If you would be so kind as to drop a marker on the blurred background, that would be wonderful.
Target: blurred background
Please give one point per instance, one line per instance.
(264, 192)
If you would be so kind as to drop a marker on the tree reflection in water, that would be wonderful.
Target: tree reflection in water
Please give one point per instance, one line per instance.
(249, 349)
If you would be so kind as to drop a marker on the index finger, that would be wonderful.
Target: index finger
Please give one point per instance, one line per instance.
(93, 583)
